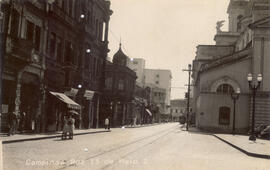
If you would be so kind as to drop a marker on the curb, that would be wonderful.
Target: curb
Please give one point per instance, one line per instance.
(48, 137)
(244, 151)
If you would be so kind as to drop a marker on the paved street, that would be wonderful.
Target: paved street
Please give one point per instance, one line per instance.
(164, 146)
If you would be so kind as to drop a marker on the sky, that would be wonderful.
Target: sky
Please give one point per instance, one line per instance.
(165, 32)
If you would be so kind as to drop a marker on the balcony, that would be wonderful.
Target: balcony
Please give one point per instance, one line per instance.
(20, 51)
(59, 13)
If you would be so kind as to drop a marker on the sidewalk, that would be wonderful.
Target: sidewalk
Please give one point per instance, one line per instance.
(32, 136)
(29, 136)
(260, 148)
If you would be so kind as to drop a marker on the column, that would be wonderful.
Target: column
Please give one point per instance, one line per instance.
(18, 93)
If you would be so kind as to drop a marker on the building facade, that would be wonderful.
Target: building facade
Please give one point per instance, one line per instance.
(119, 91)
(161, 79)
(178, 108)
(138, 65)
(221, 69)
(157, 102)
(23, 60)
(55, 46)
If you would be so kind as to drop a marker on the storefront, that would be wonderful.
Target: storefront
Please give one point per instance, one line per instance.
(58, 106)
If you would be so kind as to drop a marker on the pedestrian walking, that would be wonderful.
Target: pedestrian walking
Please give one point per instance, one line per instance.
(22, 121)
(71, 126)
(12, 119)
(107, 123)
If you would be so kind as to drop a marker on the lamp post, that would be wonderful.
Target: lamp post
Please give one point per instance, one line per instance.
(254, 88)
(234, 96)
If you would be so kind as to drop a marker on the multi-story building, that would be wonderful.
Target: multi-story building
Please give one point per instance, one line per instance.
(162, 79)
(119, 91)
(24, 48)
(223, 68)
(141, 102)
(138, 65)
(55, 48)
(178, 108)
(157, 102)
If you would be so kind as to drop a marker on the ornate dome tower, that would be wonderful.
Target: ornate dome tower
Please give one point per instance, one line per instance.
(120, 58)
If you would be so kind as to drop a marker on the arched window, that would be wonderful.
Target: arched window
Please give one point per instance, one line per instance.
(224, 115)
(225, 88)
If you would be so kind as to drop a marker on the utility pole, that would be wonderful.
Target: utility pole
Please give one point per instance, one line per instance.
(188, 93)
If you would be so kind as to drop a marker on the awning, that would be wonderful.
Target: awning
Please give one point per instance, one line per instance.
(89, 94)
(73, 92)
(148, 111)
(140, 100)
(70, 103)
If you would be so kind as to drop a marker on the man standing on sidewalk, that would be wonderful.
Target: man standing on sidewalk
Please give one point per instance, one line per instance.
(107, 123)
(12, 119)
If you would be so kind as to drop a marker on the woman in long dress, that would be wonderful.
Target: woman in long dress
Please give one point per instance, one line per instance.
(71, 122)
(65, 128)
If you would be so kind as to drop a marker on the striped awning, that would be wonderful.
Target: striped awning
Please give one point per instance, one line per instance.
(70, 103)
(89, 94)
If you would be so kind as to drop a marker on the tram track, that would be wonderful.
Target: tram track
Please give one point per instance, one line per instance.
(152, 138)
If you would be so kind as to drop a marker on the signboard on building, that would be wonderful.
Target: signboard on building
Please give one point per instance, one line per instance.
(4, 108)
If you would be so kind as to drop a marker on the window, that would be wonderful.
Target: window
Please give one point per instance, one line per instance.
(67, 78)
(97, 28)
(121, 84)
(224, 115)
(59, 49)
(30, 31)
(14, 24)
(157, 76)
(157, 82)
(135, 62)
(69, 52)
(70, 8)
(52, 44)
(104, 31)
(37, 38)
(225, 88)
(108, 83)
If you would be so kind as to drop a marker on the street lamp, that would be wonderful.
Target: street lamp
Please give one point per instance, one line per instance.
(88, 50)
(235, 96)
(82, 16)
(254, 87)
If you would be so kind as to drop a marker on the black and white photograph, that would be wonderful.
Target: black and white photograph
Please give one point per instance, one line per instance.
(135, 84)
